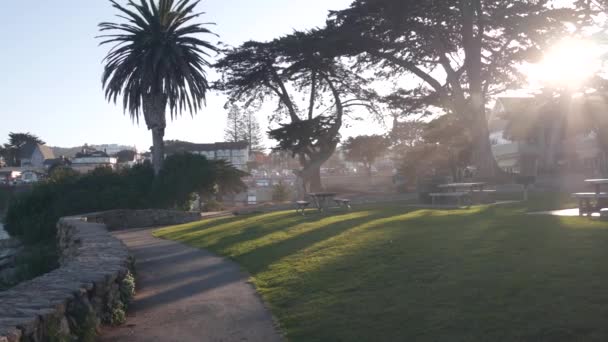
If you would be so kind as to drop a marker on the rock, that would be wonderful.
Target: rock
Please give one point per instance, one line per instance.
(69, 300)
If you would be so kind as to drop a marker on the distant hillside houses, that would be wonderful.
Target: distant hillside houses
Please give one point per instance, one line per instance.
(34, 155)
(110, 149)
(236, 153)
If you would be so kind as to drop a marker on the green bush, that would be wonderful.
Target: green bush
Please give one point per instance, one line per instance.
(5, 195)
(127, 289)
(212, 205)
(280, 192)
(33, 216)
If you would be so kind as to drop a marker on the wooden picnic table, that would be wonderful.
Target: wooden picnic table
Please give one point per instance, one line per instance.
(321, 200)
(467, 186)
(597, 183)
(592, 202)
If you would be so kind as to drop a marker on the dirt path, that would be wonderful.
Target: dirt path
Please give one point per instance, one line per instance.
(186, 294)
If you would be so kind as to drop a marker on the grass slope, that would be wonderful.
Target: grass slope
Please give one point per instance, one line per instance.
(388, 274)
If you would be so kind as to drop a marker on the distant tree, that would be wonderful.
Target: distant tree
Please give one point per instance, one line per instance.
(445, 149)
(234, 125)
(16, 141)
(407, 133)
(460, 51)
(253, 132)
(302, 62)
(158, 61)
(242, 125)
(365, 149)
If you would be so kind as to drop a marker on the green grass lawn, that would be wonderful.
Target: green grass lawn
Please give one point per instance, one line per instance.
(392, 274)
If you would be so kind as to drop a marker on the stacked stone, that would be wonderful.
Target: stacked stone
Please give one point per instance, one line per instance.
(71, 302)
(9, 249)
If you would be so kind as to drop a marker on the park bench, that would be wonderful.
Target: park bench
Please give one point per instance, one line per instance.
(343, 202)
(301, 206)
(458, 195)
(590, 202)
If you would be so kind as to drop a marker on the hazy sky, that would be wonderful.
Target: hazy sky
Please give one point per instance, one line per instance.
(50, 65)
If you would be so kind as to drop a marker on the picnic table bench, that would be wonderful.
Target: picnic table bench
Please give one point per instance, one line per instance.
(462, 192)
(321, 201)
(458, 195)
(592, 202)
(301, 206)
(343, 202)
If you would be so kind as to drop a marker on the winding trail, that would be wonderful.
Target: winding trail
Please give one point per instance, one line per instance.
(186, 294)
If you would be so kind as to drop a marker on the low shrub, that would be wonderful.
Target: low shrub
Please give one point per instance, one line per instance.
(5, 196)
(280, 192)
(212, 205)
(127, 289)
(33, 216)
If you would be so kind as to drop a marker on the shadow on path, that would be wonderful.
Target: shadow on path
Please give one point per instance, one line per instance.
(186, 294)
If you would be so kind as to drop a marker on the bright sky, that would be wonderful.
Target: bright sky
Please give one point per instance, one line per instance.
(51, 68)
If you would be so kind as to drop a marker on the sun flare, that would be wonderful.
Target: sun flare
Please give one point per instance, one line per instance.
(568, 64)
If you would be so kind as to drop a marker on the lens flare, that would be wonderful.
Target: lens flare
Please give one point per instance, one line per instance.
(568, 64)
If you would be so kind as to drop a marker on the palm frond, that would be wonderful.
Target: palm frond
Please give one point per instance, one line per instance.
(156, 51)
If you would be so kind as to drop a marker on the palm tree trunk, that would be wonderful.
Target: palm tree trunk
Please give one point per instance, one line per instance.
(154, 113)
(158, 149)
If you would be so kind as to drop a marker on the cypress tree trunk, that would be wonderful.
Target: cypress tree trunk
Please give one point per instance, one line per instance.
(315, 179)
(482, 156)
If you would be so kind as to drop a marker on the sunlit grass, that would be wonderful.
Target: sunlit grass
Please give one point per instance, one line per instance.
(394, 274)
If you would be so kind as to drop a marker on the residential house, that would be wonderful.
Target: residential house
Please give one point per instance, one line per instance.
(34, 155)
(89, 160)
(236, 153)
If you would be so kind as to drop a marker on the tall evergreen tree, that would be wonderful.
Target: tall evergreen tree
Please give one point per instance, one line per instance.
(253, 132)
(234, 125)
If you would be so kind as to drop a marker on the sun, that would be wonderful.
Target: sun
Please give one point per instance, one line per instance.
(568, 64)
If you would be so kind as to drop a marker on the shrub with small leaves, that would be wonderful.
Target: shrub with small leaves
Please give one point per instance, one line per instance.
(127, 289)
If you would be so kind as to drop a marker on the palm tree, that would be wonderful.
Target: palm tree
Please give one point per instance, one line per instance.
(157, 61)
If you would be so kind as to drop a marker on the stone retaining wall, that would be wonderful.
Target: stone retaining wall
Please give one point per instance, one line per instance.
(9, 249)
(121, 219)
(92, 286)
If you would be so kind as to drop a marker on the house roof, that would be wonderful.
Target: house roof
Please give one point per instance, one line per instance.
(28, 149)
(184, 146)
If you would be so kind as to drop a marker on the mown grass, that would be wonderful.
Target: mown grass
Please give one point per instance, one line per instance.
(393, 274)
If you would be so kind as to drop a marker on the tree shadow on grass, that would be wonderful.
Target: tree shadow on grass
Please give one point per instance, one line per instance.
(427, 282)
(256, 225)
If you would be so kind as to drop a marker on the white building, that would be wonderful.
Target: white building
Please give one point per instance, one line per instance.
(87, 161)
(236, 153)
